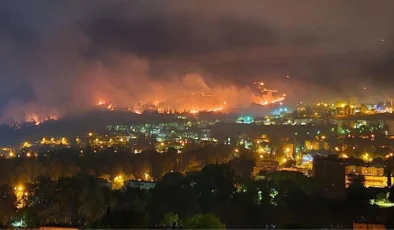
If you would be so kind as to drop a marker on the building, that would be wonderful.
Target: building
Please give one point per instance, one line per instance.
(349, 110)
(302, 170)
(373, 181)
(316, 145)
(374, 176)
(364, 170)
(330, 174)
(368, 226)
(363, 109)
(265, 166)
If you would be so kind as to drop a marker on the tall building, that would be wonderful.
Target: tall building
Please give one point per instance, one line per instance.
(330, 174)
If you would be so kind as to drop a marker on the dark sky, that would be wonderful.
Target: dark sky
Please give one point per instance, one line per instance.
(63, 55)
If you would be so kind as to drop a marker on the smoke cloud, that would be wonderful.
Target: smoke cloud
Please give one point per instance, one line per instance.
(63, 58)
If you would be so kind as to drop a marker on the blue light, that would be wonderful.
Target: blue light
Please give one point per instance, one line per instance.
(245, 119)
(307, 158)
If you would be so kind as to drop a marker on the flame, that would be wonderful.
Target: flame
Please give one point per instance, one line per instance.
(36, 119)
(216, 109)
(206, 101)
(101, 102)
(277, 100)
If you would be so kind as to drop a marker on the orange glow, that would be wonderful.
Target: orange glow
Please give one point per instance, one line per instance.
(101, 102)
(186, 92)
(156, 102)
(277, 100)
(216, 109)
(37, 119)
(192, 94)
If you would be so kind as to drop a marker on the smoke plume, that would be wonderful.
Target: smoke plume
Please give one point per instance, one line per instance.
(57, 59)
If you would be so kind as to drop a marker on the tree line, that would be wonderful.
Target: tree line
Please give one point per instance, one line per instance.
(63, 189)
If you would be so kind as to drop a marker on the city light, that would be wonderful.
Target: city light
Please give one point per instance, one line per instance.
(26, 144)
(366, 157)
(19, 188)
(343, 155)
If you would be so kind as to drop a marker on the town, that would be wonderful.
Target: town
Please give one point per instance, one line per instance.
(335, 144)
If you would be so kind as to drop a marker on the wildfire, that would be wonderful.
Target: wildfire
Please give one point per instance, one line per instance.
(278, 100)
(214, 100)
(101, 103)
(195, 111)
(268, 94)
(37, 120)
(216, 109)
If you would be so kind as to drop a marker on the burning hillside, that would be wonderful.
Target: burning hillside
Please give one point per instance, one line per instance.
(214, 100)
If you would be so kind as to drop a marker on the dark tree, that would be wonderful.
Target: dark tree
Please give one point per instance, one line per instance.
(242, 166)
(356, 180)
(391, 195)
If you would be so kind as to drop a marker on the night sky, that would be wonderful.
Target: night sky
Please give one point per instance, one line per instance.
(65, 55)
